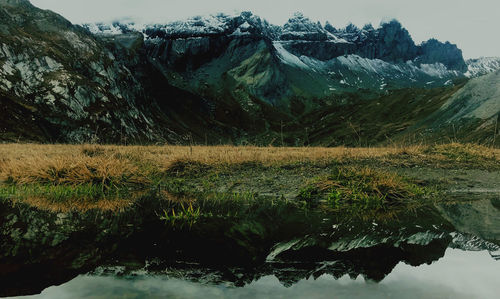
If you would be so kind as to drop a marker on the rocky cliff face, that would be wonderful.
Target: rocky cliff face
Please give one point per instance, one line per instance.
(60, 83)
(390, 42)
(433, 51)
(63, 74)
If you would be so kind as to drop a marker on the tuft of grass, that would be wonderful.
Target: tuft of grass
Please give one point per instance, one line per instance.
(364, 187)
(184, 167)
(93, 150)
(107, 172)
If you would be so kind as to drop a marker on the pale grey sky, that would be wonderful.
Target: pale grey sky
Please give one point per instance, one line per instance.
(473, 25)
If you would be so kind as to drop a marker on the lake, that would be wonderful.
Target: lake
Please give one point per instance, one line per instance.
(442, 250)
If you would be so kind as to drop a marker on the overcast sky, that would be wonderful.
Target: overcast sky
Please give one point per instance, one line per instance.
(473, 25)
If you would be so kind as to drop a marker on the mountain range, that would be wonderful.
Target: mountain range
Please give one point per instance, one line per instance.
(236, 79)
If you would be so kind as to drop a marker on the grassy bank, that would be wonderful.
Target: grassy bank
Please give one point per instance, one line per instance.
(83, 177)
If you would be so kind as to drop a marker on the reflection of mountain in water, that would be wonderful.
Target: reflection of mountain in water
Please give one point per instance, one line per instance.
(480, 218)
(477, 221)
(40, 249)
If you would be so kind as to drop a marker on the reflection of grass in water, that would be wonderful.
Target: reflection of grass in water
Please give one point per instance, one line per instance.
(65, 198)
(291, 215)
(228, 205)
(230, 208)
(184, 214)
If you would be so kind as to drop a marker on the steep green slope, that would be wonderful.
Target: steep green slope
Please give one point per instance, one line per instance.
(388, 118)
(471, 114)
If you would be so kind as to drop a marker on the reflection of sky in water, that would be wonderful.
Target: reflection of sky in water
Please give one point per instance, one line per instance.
(459, 275)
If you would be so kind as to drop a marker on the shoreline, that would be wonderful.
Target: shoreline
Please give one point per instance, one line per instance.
(82, 177)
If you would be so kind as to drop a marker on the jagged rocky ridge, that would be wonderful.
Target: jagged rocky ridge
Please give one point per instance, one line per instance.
(206, 79)
(331, 61)
(391, 42)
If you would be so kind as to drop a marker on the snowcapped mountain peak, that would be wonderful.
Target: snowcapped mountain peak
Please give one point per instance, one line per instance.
(482, 66)
(198, 26)
(391, 22)
(195, 26)
(329, 27)
(108, 29)
(368, 27)
(351, 28)
(300, 27)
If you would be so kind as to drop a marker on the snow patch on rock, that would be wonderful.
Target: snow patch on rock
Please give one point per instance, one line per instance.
(287, 57)
(482, 66)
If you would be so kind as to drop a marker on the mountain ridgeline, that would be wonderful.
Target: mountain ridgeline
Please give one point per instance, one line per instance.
(300, 36)
(236, 79)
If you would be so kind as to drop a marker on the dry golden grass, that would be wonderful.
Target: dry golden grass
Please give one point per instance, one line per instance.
(71, 170)
(86, 177)
(122, 165)
(376, 182)
(80, 164)
(204, 154)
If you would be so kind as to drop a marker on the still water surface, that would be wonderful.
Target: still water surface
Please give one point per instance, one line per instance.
(448, 250)
(459, 274)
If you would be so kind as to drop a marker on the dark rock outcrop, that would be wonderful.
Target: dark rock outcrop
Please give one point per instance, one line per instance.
(434, 51)
(394, 43)
(67, 77)
(324, 51)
